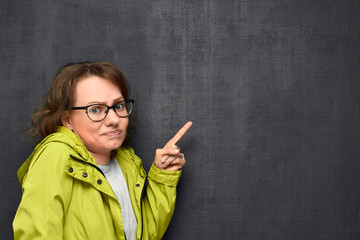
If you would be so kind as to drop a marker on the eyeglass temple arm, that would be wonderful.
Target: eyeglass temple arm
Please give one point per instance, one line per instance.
(75, 108)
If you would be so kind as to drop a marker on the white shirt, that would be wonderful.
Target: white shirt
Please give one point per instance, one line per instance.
(115, 177)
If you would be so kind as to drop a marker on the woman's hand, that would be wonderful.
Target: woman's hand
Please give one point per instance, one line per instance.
(169, 157)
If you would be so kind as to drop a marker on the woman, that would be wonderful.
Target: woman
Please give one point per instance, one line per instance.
(81, 182)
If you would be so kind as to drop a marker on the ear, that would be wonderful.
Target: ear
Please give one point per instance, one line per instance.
(66, 121)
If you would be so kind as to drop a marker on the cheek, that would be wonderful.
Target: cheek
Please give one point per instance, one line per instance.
(86, 130)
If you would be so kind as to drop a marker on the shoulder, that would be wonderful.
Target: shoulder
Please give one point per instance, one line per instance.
(54, 147)
(46, 163)
(49, 156)
(127, 154)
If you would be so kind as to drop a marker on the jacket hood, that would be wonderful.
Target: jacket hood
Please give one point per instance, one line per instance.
(65, 136)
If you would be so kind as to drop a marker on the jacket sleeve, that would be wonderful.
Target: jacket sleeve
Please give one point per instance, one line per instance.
(159, 202)
(46, 190)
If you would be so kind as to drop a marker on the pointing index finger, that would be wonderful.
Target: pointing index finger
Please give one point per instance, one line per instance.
(179, 134)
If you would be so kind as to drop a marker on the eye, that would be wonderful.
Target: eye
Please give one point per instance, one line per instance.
(97, 109)
(120, 106)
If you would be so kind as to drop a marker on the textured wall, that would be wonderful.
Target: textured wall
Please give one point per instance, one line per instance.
(272, 88)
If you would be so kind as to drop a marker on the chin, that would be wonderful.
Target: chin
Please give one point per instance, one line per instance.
(117, 144)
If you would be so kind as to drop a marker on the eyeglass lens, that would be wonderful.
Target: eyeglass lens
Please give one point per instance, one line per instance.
(99, 111)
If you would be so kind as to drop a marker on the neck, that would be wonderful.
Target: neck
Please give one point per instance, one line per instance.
(101, 158)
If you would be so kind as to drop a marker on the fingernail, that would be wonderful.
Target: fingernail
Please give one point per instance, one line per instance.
(163, 159)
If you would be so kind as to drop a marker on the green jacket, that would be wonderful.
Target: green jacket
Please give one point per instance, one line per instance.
(66, 196)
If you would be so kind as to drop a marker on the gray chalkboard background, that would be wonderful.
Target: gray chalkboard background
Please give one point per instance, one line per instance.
(271, 86)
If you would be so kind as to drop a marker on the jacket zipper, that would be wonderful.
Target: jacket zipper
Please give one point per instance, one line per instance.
(141, 212)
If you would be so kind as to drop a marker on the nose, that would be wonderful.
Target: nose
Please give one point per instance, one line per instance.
(112, 119)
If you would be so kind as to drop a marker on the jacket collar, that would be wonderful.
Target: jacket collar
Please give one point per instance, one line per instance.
(75, 143)
(63, 135)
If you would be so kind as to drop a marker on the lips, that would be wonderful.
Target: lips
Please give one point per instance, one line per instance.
(115, 133)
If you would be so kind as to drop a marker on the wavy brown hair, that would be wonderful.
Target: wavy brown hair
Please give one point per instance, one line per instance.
(60, 98)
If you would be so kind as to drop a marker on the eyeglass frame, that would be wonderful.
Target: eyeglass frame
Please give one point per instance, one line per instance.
(107, 110)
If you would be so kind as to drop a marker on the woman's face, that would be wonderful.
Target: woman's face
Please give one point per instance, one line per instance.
(101, 137)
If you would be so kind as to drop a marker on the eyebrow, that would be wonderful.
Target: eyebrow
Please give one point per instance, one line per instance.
(116, 100)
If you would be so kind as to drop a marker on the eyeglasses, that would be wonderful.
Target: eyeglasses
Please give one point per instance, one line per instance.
(98, 112)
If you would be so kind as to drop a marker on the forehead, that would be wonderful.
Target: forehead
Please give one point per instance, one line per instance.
(96, 89)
